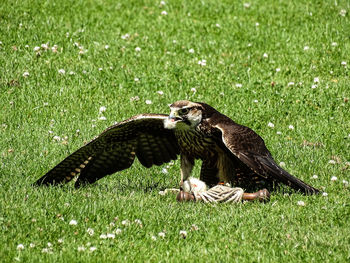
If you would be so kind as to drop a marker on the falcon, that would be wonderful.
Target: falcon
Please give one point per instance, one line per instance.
(230, 152)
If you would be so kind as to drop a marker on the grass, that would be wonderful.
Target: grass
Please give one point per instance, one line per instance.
(298, 38)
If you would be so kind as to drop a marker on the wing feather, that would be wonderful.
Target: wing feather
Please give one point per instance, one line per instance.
(250, 149)
(115, 149)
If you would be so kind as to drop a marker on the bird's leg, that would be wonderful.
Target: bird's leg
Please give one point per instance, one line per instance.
(187, 164)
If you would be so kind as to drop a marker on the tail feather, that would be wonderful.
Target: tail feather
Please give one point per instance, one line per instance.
(283, 176)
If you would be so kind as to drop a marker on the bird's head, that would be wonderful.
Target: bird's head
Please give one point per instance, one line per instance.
(184, 114)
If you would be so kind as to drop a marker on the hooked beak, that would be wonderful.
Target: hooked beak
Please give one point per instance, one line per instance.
(174, 117)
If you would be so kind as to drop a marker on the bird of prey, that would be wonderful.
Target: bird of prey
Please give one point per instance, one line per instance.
(230, 152)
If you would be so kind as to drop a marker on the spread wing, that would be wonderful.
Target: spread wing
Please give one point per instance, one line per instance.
(249, 148)
(143, 136)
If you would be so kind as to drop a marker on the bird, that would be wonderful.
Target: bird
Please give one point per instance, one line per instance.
(230, 152)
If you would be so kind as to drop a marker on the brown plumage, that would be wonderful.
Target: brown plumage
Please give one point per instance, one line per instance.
(230, 152)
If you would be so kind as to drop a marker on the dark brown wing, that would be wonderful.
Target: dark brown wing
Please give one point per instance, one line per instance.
(250, 149)
(115, 149)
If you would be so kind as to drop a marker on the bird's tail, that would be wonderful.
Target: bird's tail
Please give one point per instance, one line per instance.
(286, 178)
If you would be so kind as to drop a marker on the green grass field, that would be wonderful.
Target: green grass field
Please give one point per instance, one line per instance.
(280, 62)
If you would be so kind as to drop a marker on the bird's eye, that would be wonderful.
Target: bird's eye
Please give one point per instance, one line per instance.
(184, 111)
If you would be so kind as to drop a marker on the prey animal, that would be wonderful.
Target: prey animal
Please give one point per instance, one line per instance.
(230, 152)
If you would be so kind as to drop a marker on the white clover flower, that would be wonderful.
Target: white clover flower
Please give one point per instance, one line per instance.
(343, 63)
(164, 13)
(239, 85)
(282, 164)
(49, 244)
(193, 90)
(291, 127)
(271, 125)
(265, 55)
(246, 5)
(290, 83)
(102, 118)
(183, 233)
(137, 49)
(81, 248)
(161, 234)
(334, 44)
(54, 48)
(82, 50)
(278, 132)
(45, 46)
(56, 138)
(126, 36)
(342, 12)
(301, 203)
(31, 245)
(314, 86)
(314, 176)
(62, 71)
(202, 62)
(324, 194)
(160, 92)
(92, 249)
(125, 222)
(20, 247)
(191, 50)
(331, 162)
(194, 227)
(110, 235)
(316, 80)
(118, 231)
(60, 240)
(345, 182)
(255, 101)
(71, 73)
(334, 178)
(154, 238)
(73, 222)
(217, 25)
(106, 46)
(148, 102)
(257, 24)
(136, 98)
(36, 49)
(164, 170)
(306, 48)
(278, 69)
(45, 250)
(100, 69)
(103, 236)
(25, 74)
(162, 3)
(138, 221)
(90, 231)
(102, 109)
(136, 79)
